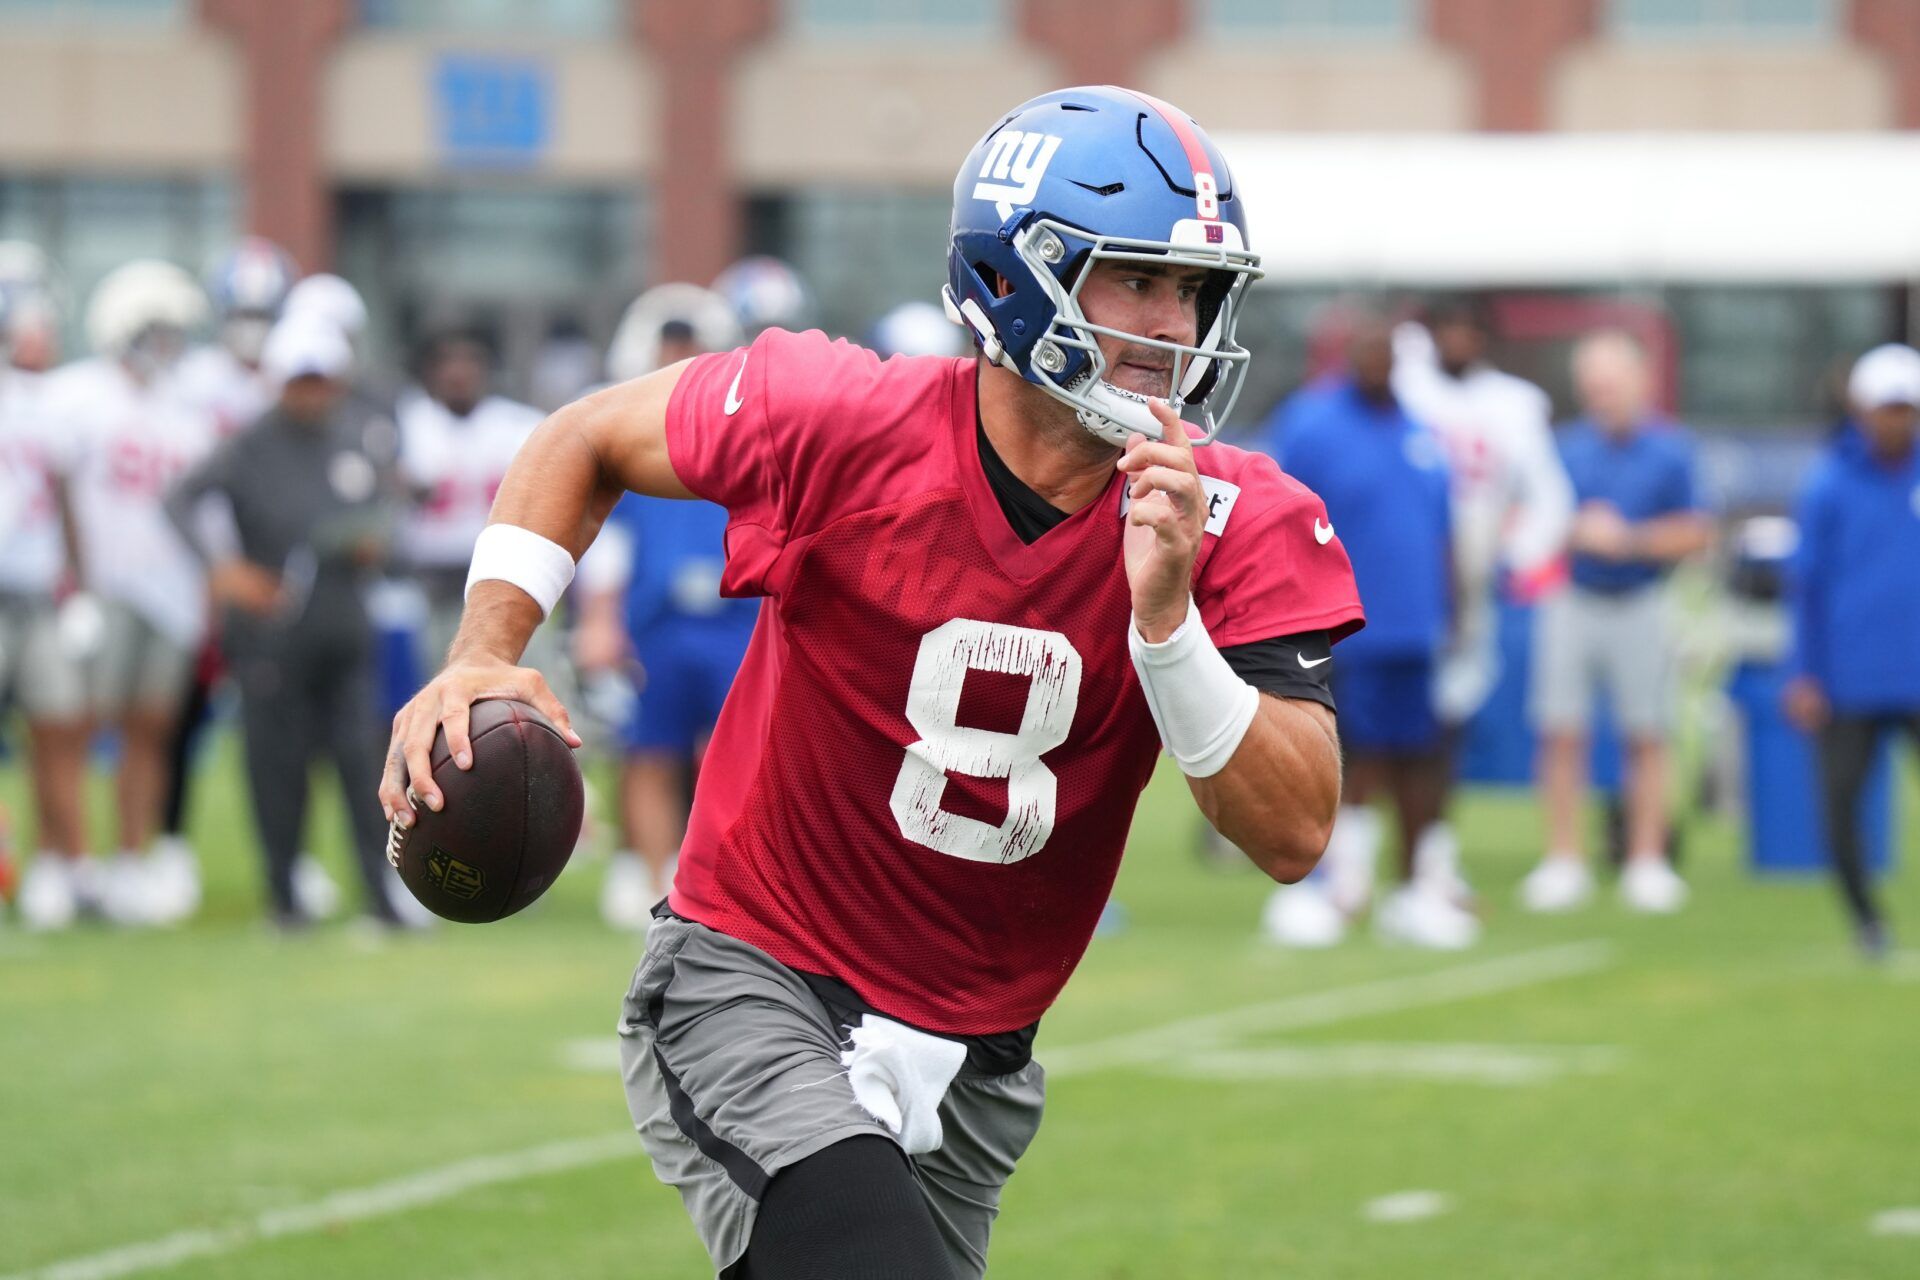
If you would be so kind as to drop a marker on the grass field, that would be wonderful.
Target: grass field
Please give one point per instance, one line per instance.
(1726, 1094)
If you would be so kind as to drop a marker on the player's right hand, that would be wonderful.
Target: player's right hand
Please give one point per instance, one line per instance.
(445, 703)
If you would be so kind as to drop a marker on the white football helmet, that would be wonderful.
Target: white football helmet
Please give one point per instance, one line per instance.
(140, 298)
(331, 299)
(635, 349)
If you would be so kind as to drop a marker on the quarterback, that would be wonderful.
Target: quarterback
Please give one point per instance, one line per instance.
(993, 589)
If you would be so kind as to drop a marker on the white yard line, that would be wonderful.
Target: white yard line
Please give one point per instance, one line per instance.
(1896, 1222)
(1500, 1065)
(381, 1200)
(1324, 1008)
(1406, 1206)
(1187, 1035)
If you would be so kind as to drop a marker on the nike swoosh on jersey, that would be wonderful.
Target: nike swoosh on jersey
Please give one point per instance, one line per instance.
(1322, 532)
(733, 393)
(1302, 658)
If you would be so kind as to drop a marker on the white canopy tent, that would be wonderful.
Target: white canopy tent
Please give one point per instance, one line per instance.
(1573, 209)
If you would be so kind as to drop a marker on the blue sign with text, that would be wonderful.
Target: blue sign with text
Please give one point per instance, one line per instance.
(492, 110)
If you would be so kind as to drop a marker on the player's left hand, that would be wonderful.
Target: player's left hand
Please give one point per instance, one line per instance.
(1164, 521)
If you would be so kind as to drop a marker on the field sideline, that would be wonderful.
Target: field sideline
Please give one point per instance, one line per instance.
(1726, 1094)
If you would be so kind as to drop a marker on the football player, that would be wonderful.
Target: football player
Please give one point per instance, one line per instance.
(994, 589)
(1512, 509)
(456, 439)
(37, 672)
(128, 433)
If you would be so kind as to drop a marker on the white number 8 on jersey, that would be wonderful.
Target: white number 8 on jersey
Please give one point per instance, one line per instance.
(1052, 666)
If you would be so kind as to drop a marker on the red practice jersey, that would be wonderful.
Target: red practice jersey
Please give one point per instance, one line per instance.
(922, 780)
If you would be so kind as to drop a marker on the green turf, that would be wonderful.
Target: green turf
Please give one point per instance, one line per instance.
(1756, 1110)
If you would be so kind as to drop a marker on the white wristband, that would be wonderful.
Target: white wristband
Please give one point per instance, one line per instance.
(1200, 706)
(538, 566)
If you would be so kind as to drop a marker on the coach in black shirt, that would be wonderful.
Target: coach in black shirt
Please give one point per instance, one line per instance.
(313, 492)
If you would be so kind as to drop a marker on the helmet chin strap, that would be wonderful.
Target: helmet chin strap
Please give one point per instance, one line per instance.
(1114, 413)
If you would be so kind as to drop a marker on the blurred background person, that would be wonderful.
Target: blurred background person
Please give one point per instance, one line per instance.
(35, 297)
(456, 439)
(1610, 630)
(1383, 477)
(651, 621)
(314, 502)
(222, 378)
(127, 433)
(38, 673)
(917, 329)
(1856, 609)
(1511, 507)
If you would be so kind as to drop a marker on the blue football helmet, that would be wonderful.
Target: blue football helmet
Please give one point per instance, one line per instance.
(253, 278)
(1094, 174)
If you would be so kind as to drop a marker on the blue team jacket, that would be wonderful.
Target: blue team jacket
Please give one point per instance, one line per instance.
(1856, 579)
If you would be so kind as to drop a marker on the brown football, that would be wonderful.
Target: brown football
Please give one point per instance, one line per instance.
(509, 823)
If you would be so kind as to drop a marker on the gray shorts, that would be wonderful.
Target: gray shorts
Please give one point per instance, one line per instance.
(1623, 645)
(35, 667)
(137, 666)
(732, 1071)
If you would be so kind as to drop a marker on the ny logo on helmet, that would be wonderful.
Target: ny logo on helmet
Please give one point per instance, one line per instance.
(1019, 156)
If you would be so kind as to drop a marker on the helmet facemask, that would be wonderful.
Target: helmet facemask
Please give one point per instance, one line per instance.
(1207, 374)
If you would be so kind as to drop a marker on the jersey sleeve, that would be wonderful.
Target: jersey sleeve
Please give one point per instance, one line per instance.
(1276, 568)
(788, 434)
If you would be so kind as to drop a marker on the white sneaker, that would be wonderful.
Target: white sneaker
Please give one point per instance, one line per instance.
(1302, 915)
(1557, 884)
(1425, 916)
(1650, 886)
(627, 894)
(49, 898)
(315, 892)
(174, 873)
(1436, 862)
(135, 892)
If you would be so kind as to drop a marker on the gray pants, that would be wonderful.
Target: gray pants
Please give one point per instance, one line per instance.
(301, 698)
(732, 1071)
(1587, 642)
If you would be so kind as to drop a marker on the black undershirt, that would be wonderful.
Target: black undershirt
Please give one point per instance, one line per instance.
(1271, 666)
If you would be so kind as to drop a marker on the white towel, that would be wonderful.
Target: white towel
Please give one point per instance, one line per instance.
(899, 1076)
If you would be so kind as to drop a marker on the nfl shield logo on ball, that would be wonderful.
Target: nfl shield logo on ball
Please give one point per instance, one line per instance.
(453, 877)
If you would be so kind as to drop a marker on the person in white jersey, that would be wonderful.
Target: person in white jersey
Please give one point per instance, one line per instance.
(1512, 508)
(37, 671)
(127, 433)
(456, 440)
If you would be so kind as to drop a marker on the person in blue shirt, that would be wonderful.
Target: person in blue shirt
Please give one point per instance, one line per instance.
(1610, 630)
(1856, 607)
(1384, 480)
(651, 617)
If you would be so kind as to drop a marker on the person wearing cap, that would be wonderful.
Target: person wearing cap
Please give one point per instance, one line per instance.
(314, 495)
(1855, 592)
(1610, 630)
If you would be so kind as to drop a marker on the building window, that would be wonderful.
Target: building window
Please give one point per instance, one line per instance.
(89, 226)
(513, 262)
(880, 19)
(96, 13)
(544, 17)
(1313, 20)
(1660, 20)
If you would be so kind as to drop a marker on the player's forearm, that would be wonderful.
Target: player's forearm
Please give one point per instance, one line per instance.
(495, 626)
(1666, 539)
(1277, 795)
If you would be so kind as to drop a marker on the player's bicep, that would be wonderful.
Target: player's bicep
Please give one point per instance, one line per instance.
(626, 427)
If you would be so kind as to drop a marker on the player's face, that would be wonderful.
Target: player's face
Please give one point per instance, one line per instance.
(1152, 301)
(1459, 344)
(458, 378)
(309, 399)
(1891, 428)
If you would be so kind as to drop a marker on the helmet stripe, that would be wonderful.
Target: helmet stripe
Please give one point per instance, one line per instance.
(1206, 186)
